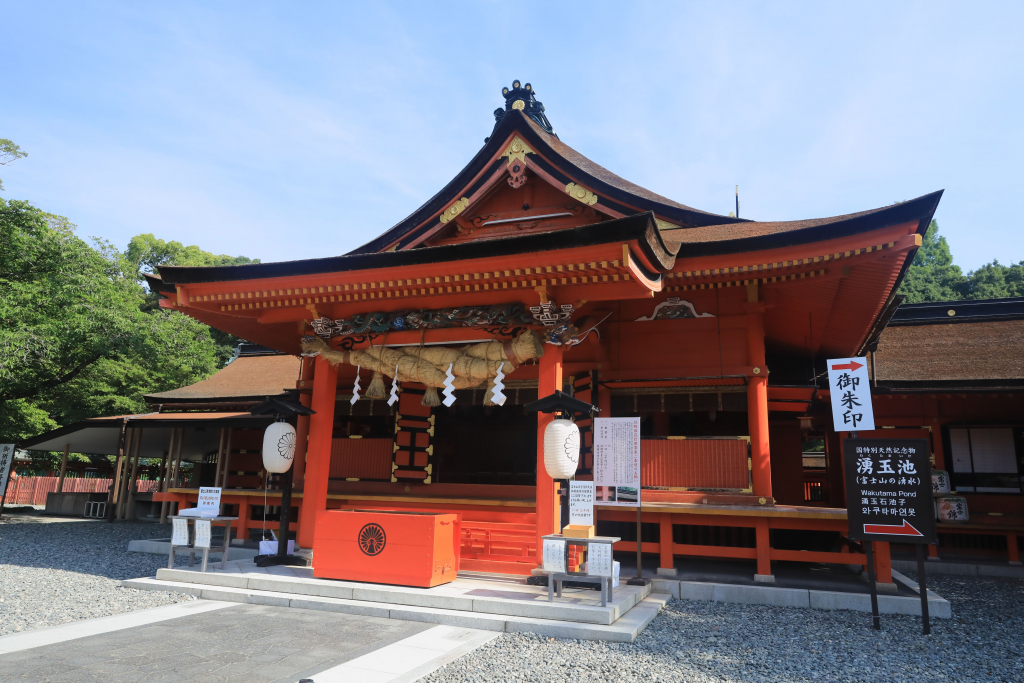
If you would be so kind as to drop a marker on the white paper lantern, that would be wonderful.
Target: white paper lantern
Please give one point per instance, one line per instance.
(278, 447)
(561, 448)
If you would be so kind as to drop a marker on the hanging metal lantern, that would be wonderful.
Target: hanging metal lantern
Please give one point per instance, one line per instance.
(561, 448)
(278, 447)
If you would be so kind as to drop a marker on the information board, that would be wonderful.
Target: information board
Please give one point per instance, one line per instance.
(850, 389)
(203, 533)
(209, 500)
(888, 490)
(581, 503)
(6, 461)
(617, 460)
(599, 559)
(554, 555)
(179, 532)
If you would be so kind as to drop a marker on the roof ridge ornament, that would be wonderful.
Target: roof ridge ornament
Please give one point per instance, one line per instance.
(523, 97)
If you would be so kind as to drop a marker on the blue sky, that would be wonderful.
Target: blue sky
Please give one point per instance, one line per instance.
(287, 130)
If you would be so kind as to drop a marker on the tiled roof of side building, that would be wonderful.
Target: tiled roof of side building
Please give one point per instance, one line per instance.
(244, 377)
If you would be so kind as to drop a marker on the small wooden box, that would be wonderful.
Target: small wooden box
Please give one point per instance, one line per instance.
(578, 531)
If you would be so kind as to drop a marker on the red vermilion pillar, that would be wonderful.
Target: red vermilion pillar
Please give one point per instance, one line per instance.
(550, 379)
(757, 400)
(318, 452)
(302, 423)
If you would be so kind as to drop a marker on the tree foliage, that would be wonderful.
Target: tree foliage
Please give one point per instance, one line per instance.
(80, 336)
(9, 152)
(933, 277)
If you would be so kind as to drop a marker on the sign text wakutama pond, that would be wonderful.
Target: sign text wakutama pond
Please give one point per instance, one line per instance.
(889, 490)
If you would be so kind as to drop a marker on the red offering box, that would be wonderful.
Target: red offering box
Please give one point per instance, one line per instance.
(378, 546)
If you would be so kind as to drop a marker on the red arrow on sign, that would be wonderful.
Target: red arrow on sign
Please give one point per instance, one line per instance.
(905, 530)
(852, 365)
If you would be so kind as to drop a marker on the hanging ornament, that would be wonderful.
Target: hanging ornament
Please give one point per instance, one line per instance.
(449, 387)
(561, 448)
(394, 389)
(278, 447)
(497, 397)
(355, 388)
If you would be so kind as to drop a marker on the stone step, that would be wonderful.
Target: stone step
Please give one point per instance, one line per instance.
(474, 595)
(624, 630)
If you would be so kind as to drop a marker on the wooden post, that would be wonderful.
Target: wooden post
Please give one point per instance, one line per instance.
(318, 455)
(668, 561)
(548, 517)
(227, 458)
(176, 471)
(165, 485)
(220, 458)
(122, 482)
(63, 468)
(764, 551)
(302, 423)
(112, 495)
(757, 398)
(883, 563)
(133, 484)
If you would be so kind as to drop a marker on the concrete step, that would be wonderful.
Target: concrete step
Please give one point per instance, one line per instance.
(624, 630)
(474, 595)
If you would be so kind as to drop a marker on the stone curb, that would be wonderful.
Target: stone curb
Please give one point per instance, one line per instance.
(624, 630)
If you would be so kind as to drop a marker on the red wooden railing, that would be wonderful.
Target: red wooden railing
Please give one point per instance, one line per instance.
(33, 490)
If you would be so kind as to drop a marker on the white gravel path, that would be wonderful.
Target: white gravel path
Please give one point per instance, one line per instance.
(708, 641)
(56, 572)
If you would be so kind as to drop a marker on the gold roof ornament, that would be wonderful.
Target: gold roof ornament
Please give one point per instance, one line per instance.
(454, 210)
(581, 194)
(517, 150)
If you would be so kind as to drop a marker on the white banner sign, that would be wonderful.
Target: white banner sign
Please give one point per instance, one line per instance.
(554, 556)
(6, 462)
(617, 460)
(581, 503)
(179, 535)
(209, 499)
(203, 533)
(850, 388)
(599, 559)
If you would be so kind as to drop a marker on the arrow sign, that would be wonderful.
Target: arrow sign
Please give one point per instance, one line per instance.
(852, 365)
(893, 529)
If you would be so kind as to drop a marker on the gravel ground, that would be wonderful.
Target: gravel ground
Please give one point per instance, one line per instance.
(56, 572)
(707, 641)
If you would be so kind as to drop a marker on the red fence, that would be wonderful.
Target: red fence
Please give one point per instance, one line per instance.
(361, 458)
(33, 490)
(695, 463)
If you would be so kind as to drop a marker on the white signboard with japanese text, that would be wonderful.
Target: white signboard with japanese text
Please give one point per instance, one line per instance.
(599, 559)
(554, 555)
(617, 460)
(850, 389)
(581, 503)
(179, 532)
(203, 533)
(209, 499)
(6, 462)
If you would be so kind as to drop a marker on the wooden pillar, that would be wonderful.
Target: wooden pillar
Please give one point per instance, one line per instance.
(668, 563)
(220, 457)
(124, 471)
(227, 458)
(940, 453)
(764, 551)
(757, 398)
(168, 468)
(883, 563)
(318, 454)
(63, 468)
(133, 483)
(302, 424)
(550, 379)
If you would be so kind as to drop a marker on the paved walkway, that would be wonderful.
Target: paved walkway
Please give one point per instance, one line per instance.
(228, 642)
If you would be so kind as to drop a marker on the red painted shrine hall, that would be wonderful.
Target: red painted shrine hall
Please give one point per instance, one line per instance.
(535, 261)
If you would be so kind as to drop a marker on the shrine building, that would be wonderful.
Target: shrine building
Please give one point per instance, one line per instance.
(533, 270)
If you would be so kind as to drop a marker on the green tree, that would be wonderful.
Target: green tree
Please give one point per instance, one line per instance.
(994, 280)
(9, 152)
(932, 275)
(147, 253)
